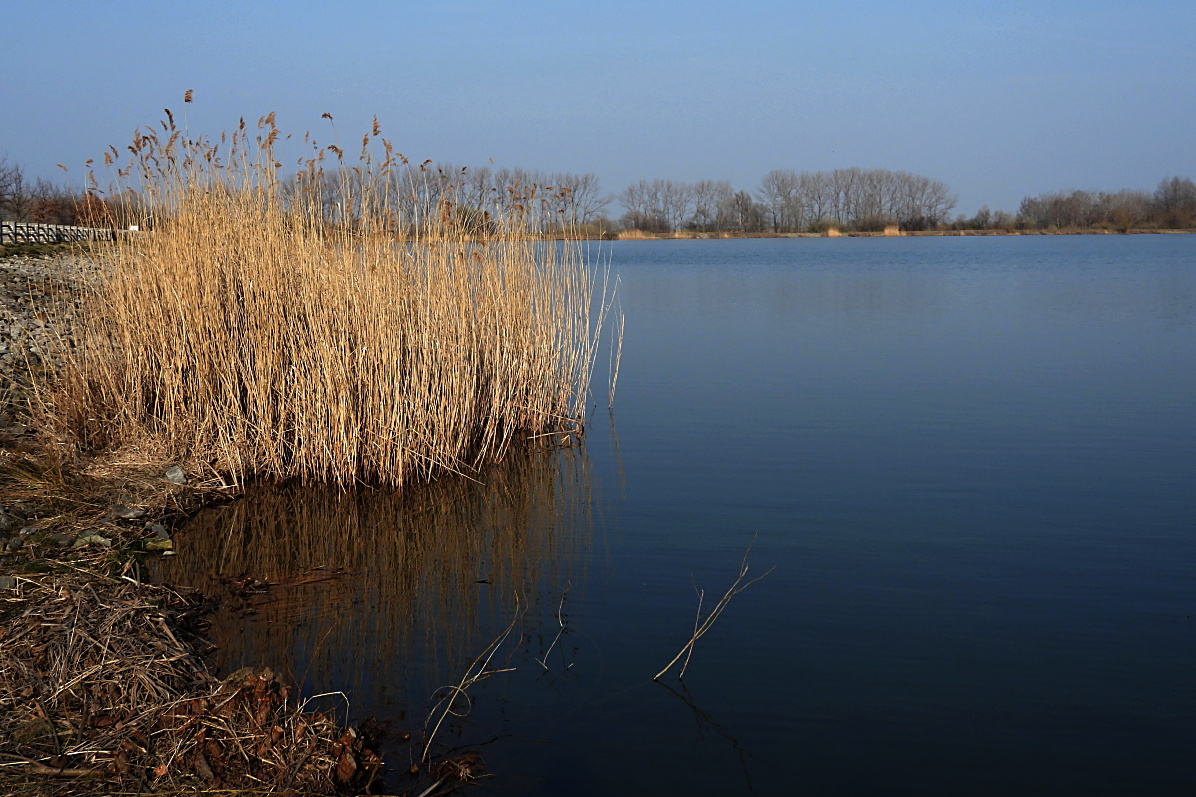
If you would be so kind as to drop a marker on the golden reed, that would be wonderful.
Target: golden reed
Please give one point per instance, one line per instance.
(345, 322)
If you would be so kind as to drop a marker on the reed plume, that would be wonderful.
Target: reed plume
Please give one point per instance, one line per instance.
(349, 322)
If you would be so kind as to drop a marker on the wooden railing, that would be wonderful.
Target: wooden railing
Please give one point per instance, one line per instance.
(20, 232)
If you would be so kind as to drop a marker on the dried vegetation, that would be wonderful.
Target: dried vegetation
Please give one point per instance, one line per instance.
(326, 325)
(99, 681)
(103, 689)
(267, 327)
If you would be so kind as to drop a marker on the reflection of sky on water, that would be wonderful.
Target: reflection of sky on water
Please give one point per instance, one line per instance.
(970, 460)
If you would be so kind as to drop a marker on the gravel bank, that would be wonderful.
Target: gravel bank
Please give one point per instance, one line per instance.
(36, 296)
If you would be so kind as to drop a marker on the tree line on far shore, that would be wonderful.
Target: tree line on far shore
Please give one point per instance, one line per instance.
(1171, 206)
(785, 201)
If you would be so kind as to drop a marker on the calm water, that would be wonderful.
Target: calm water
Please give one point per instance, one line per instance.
(972, 462)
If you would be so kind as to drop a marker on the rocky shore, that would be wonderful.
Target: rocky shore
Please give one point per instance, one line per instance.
(34, 293)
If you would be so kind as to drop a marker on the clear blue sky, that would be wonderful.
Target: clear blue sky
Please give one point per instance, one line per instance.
(998, 100)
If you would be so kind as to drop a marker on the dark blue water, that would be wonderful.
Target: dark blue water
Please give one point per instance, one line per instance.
(972, 462)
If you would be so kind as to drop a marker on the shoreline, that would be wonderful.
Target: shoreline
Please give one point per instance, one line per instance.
(103, 680)
(638, 235)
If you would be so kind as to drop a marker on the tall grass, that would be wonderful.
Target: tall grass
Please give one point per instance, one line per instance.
(334, 325)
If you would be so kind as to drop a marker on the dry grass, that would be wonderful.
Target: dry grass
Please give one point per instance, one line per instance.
(338, 325)
(98, 688)
(635, 235)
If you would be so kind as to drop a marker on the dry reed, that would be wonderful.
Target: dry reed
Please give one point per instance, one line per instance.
(99, 682)
(702, 625)
(347, 323)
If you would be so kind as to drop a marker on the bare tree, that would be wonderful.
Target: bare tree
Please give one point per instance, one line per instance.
(52, 204)
(8, 176)
(747, 214)
(1126, 209)
(645, 206)
(16, 196)
(709, 202)
(581, 195)
(1175, 199)
(816, 197)
(779, 192)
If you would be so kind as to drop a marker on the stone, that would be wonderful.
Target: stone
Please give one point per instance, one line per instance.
(7, 521)
(126, 512)
(176, 475)
(8, 582)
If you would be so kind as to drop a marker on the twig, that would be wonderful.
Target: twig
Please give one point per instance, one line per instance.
(431, 788)
(475, 672)
(702, 626)
(697, 621)
(616, 358)
(560, 620)
(30, 767)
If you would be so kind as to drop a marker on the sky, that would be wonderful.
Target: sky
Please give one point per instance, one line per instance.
(997, 100)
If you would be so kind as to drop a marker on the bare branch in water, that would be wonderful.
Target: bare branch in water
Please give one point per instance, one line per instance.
(702, 626)
(479, 670)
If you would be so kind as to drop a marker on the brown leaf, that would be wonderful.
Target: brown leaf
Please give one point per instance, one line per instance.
(201, 766)
(346, 767)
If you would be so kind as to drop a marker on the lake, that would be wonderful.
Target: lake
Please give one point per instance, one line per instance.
(971, 462)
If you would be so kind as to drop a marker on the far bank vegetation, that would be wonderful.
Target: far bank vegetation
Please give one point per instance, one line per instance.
(878, 200)
(785, 202)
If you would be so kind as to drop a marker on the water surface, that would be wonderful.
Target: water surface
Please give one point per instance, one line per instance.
(970, 460)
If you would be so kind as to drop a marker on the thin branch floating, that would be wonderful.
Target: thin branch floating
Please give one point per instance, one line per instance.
(702, 626)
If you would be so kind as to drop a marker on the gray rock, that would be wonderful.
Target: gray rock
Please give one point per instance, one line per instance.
(8, 582)
(176, 475)
(159, 530)
(126, 512)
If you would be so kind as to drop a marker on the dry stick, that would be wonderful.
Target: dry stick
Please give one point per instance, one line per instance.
(703, 626)
(561, 621)
(431, 788)
(28, 766)
(617, 356)
(697, 620)
(481, 663)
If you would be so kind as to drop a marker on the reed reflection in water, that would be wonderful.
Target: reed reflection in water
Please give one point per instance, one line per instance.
(385, 594)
